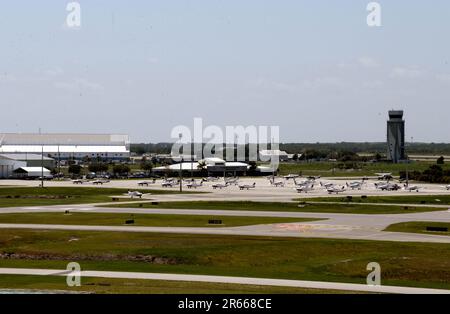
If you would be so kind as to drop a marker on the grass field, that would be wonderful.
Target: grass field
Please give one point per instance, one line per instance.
(344, 208)
(35, 196)
(149, 220)
(133, 286)
(328, 169)
(419, 227)
(402, 199)
(405, 264)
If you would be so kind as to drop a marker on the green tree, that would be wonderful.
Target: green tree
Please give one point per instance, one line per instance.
(441, 160)
(121, 169)
(98, 167)
(75, 169)
(146, 166)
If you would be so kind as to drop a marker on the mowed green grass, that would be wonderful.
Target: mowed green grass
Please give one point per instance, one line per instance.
(134, 286)
(401, 199)
(146, 220)
(344, 208)
(419, 227)
(35, 196)
(405, 264)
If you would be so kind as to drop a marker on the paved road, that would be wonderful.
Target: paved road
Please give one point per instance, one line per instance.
(263, 191)
(228, 280)
(340, 226)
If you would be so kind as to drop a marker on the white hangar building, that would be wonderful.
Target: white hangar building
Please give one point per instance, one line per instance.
(105, 147)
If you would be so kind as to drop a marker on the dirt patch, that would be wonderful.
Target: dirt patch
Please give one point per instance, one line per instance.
(158, 260)
(45, 197)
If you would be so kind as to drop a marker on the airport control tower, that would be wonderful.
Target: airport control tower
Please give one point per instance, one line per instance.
(396, 136)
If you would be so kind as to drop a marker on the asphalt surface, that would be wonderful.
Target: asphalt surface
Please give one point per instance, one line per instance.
(227, 280)
(339, 226)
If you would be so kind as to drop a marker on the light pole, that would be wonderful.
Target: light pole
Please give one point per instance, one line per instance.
(192, 161)
(42, 167)
(181, 167)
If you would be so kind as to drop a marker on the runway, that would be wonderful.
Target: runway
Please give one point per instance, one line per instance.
(228, 280)
(335, 226)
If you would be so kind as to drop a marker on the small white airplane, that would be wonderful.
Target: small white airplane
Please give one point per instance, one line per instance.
(234, 181)
(247, 186)
(134, 194)
(291, 176)
(168, 184)
(100, 181)
(219, 186)
(326, 185)
(194, 184)
(305, 188)
(384, 176)
(387, 186)
(337, 190)
(355, 185)
(412, 188)
(276, 183)
(303, 183)
(147, 183)
(211, 179)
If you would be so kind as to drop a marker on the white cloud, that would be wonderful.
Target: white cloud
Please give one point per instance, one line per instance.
(54, 71)
(153, 60)
(409, 73)
(78, 84)
(368, 62)
(443, 78)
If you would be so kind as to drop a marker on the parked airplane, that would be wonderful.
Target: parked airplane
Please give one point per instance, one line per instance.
(306, 188)
(276, 183)
(387, 186)
(247, 186)
(100, 181)
(326, 185)
(147, 183)
(384, 176)
(291, 176)
(134, 194)
(79, 181)
(355, 185)
(194, 184)
(234, 181)
(412, 188)
(211, 179)
(168, 184)
(219, 186)
(334, 189)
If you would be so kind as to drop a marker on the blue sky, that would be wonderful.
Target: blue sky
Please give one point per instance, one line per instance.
(314, 68)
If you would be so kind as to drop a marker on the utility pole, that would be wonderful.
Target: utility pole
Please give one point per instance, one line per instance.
(192, 161)
(181, 167)
(59, 162)
(42, 167)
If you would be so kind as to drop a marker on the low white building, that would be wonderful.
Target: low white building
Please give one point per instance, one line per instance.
(267, 155)
(213, 166)
(8, 165)
(67, 146)
(31, 172)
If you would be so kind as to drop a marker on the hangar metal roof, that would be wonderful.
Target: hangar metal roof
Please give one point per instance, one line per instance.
(63, 139)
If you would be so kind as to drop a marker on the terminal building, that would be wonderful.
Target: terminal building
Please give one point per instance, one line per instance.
(396, 136)
(102, 147)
